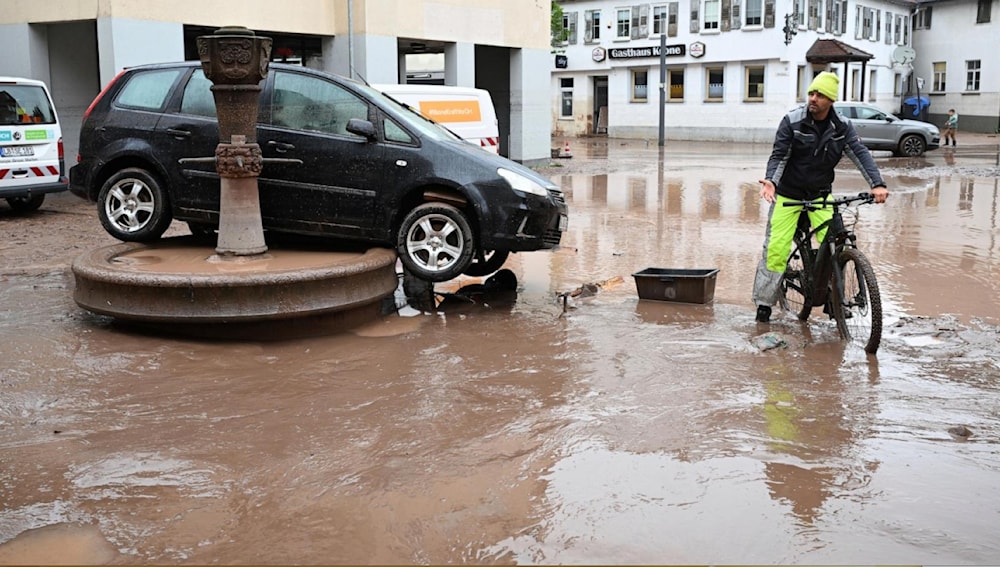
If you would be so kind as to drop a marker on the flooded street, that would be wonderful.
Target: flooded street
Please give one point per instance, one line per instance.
(525, 430)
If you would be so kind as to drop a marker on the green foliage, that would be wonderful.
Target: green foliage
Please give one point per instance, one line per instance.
(559, 32)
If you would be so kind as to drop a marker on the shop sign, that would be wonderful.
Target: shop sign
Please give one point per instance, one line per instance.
(599, 54)
(651, 51)
(697, 49)
(562, 62)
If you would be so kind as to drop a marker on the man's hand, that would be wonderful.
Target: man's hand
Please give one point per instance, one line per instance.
(881, 193)
(767, 190)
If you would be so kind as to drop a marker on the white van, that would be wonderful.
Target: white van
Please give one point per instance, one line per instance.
(31, 145)
(466, 111)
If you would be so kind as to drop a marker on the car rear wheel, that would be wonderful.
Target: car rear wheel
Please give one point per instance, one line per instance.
(133, 206)
(435, 242)
(26, 204)
(912, 146)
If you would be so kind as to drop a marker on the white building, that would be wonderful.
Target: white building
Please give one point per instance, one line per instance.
(731, 68)
(957, 43)
(77, 46)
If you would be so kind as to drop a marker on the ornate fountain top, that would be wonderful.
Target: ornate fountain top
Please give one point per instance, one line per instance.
(234, 55)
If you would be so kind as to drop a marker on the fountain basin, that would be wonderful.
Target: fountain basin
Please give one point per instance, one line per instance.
(181, 280)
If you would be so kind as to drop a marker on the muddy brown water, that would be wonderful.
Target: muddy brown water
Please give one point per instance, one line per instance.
(608, 430)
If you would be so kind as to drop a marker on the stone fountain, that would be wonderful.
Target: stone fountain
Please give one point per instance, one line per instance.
(181, 282)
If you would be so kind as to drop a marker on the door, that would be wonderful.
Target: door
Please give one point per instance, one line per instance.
(600, 105)
(334, 189)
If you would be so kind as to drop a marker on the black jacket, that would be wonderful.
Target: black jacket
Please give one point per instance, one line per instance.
(803, 159)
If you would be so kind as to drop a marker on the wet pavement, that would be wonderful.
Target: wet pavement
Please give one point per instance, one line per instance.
(526, 429)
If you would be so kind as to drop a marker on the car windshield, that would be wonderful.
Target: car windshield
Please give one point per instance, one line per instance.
(24, 104)
(413, 118)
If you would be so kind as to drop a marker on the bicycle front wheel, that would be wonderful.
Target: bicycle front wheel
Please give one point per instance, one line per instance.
(796, 284)
(861, 303)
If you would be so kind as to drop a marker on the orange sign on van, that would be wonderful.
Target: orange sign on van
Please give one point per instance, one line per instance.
(451, 110)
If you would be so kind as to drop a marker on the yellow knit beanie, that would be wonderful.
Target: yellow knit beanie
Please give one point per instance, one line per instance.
(826, 84)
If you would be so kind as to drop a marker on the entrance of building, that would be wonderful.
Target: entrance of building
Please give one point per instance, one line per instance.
(600, 105)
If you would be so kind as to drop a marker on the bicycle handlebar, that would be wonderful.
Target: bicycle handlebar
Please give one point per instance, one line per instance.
(826, 201)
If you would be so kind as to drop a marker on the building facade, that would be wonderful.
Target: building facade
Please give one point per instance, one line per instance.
(732, 68)
(956, 43)
(78, 46)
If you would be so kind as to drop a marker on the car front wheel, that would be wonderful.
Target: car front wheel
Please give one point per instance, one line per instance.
(912, 146)
(435, 242)
(133, 206)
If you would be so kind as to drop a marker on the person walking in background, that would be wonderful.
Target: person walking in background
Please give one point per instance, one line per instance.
(950, 127)
(807, 148)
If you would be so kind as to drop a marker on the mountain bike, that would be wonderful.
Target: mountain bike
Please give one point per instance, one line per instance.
(836, 275)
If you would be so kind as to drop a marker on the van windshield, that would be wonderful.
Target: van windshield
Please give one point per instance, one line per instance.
(25, 104)
(414, 119)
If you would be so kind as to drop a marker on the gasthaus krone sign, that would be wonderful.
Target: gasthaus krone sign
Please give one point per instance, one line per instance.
(651, 51)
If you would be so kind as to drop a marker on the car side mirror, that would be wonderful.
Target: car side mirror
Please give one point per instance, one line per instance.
(361, 128)
(889, 118)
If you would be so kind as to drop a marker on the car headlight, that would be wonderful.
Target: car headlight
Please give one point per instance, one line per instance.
(522, 183)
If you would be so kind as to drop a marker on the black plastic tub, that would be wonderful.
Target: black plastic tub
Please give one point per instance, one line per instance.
(676, 285)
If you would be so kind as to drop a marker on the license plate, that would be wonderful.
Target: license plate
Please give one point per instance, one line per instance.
(563, 222)
(16, 151)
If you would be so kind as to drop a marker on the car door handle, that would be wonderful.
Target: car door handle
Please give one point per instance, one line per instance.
(179, 133)
(280, 147)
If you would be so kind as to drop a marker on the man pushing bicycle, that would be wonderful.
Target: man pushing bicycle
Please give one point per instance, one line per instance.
(807, 148)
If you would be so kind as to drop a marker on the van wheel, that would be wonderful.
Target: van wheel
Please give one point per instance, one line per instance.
(26, 204)
(492, 261)
(133, 206)
(435, 242)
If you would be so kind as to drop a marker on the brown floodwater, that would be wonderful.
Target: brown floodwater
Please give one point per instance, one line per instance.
(526, 429)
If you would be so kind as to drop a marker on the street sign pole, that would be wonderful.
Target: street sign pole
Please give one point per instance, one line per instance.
(663, 80)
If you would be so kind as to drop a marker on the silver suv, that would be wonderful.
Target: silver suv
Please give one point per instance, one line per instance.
(882, 131)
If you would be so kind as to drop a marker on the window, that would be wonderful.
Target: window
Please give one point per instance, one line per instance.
(566, 98)
(623, 26)
(675, 80)
(940, 74)
(569, 25)
(754, 84)
(395, 133)
(640, 82)
(672, 18)
(304, 102)
(888, 28)
(815, 15)
(983, 12)
(872, 76)
(711, 14)
(856, 84)
(148, 90)
(715, 79)
(972, 75)
(754, 12)
(660, 19)
(640, 21)
(922, 19)
(897, 85)
(799, 11)
(592, 26)
(198, 99)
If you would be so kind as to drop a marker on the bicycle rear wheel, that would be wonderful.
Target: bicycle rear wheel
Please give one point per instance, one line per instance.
(796, 284)
(860, 319)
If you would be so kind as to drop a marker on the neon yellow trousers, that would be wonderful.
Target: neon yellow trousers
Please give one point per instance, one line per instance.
(781, 223)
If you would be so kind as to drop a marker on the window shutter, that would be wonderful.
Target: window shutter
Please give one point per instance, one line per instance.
(768, 13)
(644, 20)
(588, 27)
(572, 17)
(634, 28)
(737, 19)
(877, 26)
(829, 15)
(695, 13)
(727, 12)
(888, 28)
(672, 19)
(843, 16)
(813, 22)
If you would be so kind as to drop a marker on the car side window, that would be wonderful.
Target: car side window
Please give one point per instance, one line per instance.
(870, 113)
(395, 133)
(197, 98)
(304, 102)
(148, 90)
